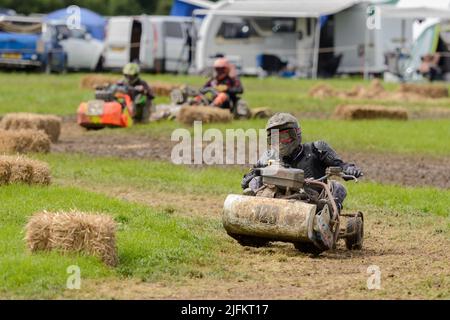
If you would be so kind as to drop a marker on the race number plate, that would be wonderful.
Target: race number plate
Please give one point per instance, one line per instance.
(95, 108)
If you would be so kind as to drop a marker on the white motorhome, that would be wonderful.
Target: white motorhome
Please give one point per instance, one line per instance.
(158, 43)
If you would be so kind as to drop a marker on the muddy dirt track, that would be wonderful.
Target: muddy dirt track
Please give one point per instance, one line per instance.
(411, 251)
(384, 168)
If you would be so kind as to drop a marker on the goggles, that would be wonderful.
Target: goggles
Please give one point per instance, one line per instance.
(286, 136)
(221, 70)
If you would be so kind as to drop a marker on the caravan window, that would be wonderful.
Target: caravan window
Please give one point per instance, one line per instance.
(236, 30)
(173, 30)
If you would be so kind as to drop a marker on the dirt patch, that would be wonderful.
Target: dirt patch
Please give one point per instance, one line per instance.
(411, 251)
(406, 92)
(408, 170)
(404, 170)
(75, 139)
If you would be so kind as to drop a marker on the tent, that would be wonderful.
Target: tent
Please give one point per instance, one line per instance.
(94, 23)
(185, 8)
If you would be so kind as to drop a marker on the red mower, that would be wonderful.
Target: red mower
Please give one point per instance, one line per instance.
(113, 107)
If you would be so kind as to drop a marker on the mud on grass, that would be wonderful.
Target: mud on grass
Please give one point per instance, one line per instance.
(407, 236)
(412, 252)
(408, 169)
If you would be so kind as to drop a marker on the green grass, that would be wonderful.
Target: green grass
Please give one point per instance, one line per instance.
(151, 244)
(424, 137)
(219, 181)
(155, 244)
(148, 175)
(62, 94)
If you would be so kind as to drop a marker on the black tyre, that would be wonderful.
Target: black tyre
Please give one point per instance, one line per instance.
(249, 241)
(308, 248)
(355, 226)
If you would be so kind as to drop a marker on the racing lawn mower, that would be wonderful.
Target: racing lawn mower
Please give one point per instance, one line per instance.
(205, 97)
(290, 208)
(113, 107)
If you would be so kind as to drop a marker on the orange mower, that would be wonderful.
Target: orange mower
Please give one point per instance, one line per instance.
(113, 107)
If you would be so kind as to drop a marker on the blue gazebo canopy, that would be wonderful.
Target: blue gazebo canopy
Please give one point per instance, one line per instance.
(185, 8)
(93, 22)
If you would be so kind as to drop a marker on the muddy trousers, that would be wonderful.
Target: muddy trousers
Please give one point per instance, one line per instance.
(339, 193)
(142, 114)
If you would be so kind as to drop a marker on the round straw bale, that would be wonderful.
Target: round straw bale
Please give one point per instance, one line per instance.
(18, 169)
(50, 124)
(24, 141)
(93, 234)
(206, 114)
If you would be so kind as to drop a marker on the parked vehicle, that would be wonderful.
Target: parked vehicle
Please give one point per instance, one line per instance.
(158, 43)
(27, 42)
(83, 51)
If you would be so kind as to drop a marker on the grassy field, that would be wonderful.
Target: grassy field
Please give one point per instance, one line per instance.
(170, 229)
(62, 95)
(155, 243)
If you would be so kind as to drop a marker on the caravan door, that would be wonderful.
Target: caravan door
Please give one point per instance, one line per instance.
(118, 42)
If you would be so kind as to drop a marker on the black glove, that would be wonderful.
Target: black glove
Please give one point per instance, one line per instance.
(352, 170)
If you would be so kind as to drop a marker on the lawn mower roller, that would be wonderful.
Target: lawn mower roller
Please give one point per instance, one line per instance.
(290, 208)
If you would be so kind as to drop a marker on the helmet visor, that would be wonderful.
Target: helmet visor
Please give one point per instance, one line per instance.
(221, 70)
(282, 137)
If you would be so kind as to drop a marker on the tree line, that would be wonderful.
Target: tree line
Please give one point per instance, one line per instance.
(104, 7)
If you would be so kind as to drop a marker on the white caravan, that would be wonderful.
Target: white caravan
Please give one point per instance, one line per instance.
(316, 37)
(158, 43)
(244, 31)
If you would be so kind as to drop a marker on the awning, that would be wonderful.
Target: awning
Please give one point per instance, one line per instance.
(413, 12)
(281, 8)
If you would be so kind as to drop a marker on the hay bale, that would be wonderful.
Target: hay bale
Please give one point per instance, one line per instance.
(24, 141)
(189, 114)
(427, 91)
(5, 172)
(18, 169)
(322, 91)
(97, 80)
(50, 124)
(163, 89)
(357, 112)
(74, 231)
